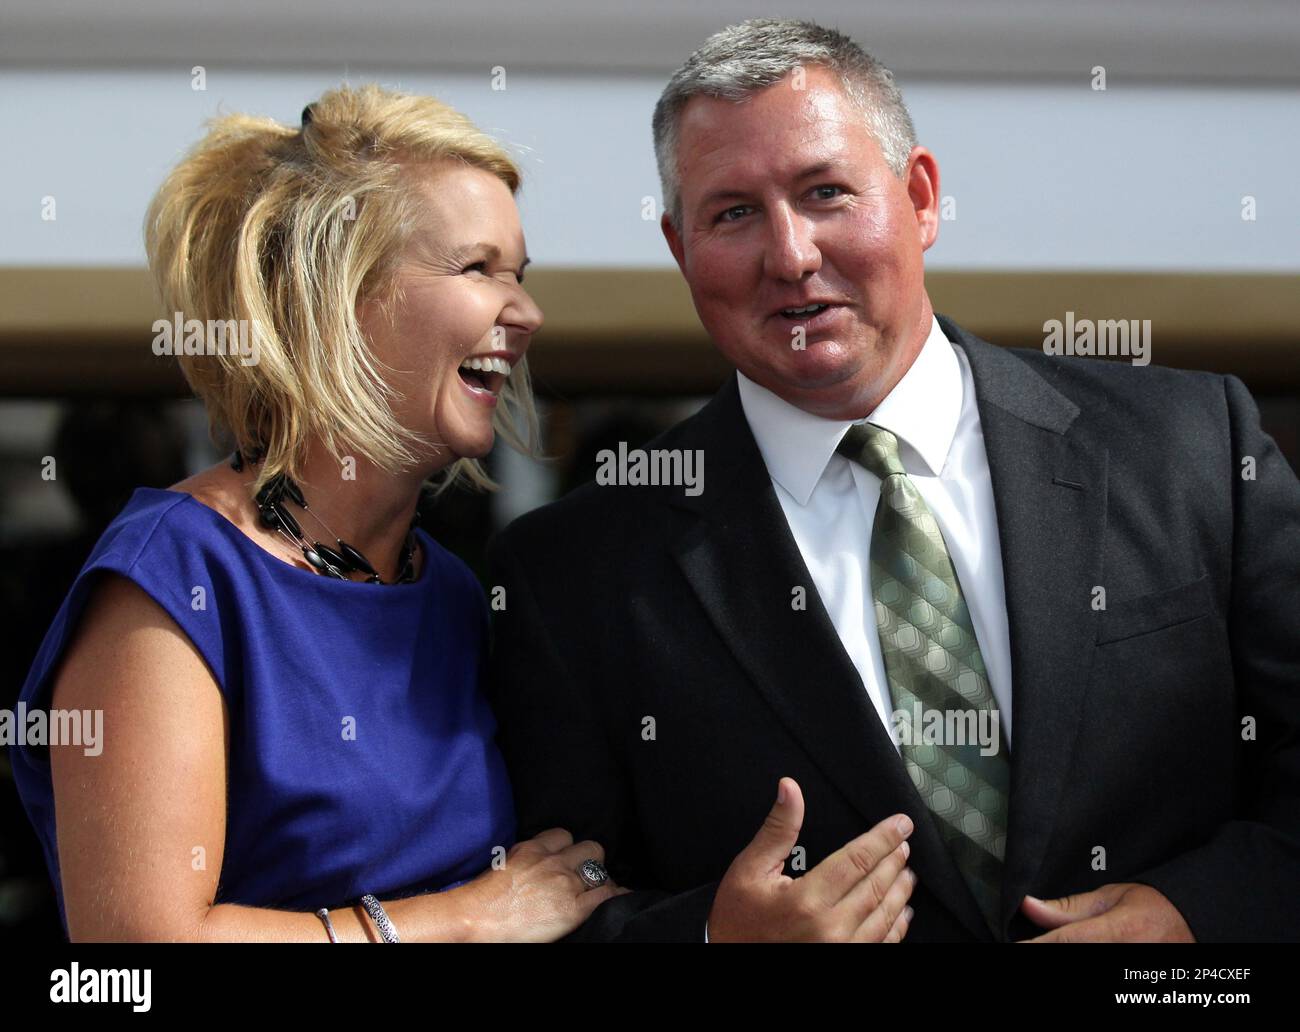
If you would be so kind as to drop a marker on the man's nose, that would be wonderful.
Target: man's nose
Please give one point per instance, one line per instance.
(791, 251)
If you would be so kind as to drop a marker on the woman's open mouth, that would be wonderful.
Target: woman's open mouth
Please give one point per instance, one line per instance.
(484, 376)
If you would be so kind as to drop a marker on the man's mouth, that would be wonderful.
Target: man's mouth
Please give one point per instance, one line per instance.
(814, 317)
(485, 374)
(806, 312)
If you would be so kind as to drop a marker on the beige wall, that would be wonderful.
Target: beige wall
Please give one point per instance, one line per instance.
(87, 331)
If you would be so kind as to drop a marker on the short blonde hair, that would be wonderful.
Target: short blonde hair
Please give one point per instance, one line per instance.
(288, 228)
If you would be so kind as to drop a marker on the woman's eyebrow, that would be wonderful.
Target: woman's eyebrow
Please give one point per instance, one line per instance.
(465, 250)
(493, 253)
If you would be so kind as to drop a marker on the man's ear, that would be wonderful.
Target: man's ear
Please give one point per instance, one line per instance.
(674, 241)
(923, 191)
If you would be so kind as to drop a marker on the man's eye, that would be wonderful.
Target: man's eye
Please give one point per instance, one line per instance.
(725, 216)
(480, 266)
(835, 190)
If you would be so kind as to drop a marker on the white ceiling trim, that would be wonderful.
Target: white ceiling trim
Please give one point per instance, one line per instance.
(1150, 40)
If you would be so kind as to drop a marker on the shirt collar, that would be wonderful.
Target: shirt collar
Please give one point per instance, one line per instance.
(921, 411)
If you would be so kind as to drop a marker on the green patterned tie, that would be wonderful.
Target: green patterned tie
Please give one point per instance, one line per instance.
(932, 660)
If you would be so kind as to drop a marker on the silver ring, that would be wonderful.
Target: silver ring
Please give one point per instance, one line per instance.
(593, 874)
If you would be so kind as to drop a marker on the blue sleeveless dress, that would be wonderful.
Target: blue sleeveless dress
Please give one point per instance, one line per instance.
(362, 752)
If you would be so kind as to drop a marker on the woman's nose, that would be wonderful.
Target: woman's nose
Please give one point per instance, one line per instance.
(524, 312)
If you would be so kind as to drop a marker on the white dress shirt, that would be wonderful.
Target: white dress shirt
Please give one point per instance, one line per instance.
(830, 505)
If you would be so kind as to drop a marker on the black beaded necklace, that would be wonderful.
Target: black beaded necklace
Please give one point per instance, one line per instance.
(326, 561)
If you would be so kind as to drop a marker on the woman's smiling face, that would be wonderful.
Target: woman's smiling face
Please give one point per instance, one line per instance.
(458, 303)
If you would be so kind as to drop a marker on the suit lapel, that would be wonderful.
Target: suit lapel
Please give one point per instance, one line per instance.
(743, 564)
(1049, 488)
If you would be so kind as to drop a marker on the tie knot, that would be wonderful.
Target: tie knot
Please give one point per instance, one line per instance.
(872, 447)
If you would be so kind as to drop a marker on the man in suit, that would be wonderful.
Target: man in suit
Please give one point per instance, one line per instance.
(1098, 563)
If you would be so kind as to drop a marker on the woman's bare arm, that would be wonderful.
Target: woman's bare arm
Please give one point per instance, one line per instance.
(141, 826)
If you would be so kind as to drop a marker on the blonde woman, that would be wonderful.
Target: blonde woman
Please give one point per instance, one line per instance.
(295, 746)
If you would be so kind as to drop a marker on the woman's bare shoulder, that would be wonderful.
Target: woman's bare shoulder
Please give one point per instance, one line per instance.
(222, 489)
(123, 638)
(157, 786)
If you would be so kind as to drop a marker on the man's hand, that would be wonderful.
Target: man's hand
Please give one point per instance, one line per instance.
(857, 894)
(1121, 912)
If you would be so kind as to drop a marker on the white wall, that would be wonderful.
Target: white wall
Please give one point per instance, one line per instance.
(1045, 175)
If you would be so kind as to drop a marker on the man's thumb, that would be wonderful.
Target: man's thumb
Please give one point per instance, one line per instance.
(780, 830)
(1053, 913)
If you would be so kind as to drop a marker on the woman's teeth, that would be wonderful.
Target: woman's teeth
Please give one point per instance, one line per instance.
(485, 374)
(488, 364)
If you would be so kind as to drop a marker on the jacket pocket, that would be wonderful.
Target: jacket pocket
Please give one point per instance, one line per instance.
(1147, 613)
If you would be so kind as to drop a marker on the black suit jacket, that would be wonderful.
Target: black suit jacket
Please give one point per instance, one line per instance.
(626, 605)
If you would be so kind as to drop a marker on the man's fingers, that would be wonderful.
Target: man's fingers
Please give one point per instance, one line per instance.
(876, 925)
(769, 848)
(1093, 929)
(837, 875)
(901, 924)
(1137, 914)
(868, 893)
(1053, 913)
(1047, 914)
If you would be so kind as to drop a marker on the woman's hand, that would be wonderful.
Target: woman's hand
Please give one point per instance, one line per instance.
(537, 896)
(130, 821)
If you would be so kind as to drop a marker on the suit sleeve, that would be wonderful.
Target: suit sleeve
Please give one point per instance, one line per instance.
(1244, 883)
(562, 769)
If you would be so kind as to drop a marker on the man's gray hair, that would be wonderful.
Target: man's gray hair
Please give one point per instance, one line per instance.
(742, 59)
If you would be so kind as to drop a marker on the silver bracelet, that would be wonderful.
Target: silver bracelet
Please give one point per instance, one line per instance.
(324, 915)
(386, 930)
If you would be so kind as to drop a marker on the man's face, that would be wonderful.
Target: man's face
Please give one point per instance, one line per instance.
(787, 202)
